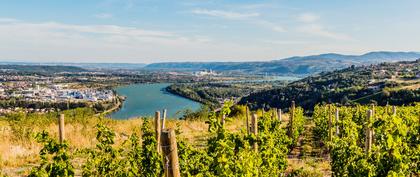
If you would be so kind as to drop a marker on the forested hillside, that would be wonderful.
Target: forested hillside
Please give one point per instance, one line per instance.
(393, 83)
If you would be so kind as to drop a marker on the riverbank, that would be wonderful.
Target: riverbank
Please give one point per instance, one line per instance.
(214, 94)
(146, 99)
(117, 105)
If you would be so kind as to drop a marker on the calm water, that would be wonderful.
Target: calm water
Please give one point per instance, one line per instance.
(146, 99)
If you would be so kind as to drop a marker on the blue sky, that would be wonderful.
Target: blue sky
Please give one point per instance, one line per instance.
(145, 31)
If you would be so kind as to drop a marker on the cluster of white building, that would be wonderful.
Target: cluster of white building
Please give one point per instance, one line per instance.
(58, 93)
(205, 73)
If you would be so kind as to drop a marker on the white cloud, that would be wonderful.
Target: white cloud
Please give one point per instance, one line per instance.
(104, 16)
(312, 26)
(308, 18)
(319, 30)
(270, 25)
(60, 41)
(54, 41)
(251, 18)
(225, 14)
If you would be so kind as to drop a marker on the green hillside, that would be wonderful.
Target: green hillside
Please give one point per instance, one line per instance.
(393, 83)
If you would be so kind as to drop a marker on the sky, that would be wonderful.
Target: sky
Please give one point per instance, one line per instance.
(148, 31)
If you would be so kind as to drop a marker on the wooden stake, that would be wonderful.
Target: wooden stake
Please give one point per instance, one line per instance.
(247, 119)
(279, 114)
(337, 131)
(254, 125)
(372, 132)
(163, 119)
(274, 114)
(292, 116)
(329, 123)
(170, 150)
(157, 130)
(223, 119)
(394, 110)
(61, 128)
(368, 143)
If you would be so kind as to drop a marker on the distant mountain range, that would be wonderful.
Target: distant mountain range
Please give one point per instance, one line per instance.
(305, 65)
(294, 65)
(39, 69)
(82, 65)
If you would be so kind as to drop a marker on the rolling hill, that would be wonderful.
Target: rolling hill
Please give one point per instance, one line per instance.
(294, 65)
(40, 69)
(395, 83)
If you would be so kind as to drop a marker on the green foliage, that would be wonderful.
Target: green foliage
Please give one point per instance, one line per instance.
(151, 160)
(55, 159)
(210, 93)
(105, 159)
(395, 147)
(134, 157)
(302, 172)
(233, 154)
(296, 128)
(200, 114)
(23, 124)
(192, 161)
(130, 159)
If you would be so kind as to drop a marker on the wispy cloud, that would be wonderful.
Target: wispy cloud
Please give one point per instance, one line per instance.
(270, 25)
(312, 25)
(104, 16)
(319, 30)
(248, 17)
(48, 39)
(225, 14)
(308, 17)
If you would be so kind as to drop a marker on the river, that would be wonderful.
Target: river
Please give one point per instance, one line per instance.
(145, 99)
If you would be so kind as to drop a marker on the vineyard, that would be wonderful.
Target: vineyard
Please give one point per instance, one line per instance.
(369, 140)
(356, 141)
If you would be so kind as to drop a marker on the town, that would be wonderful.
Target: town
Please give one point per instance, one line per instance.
(46, 92)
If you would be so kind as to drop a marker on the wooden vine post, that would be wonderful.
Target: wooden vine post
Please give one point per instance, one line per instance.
(372, 117)
(394, 110)
(254, 129)
(279, 114)
(223, 119)
(61, 128)
(163, 119)
(274, 114)
(170, 151)
(368, 143)
(263, 110)
(247, 119)
(337, 118)
(329, 123)
(157, 130)
(292, 117)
